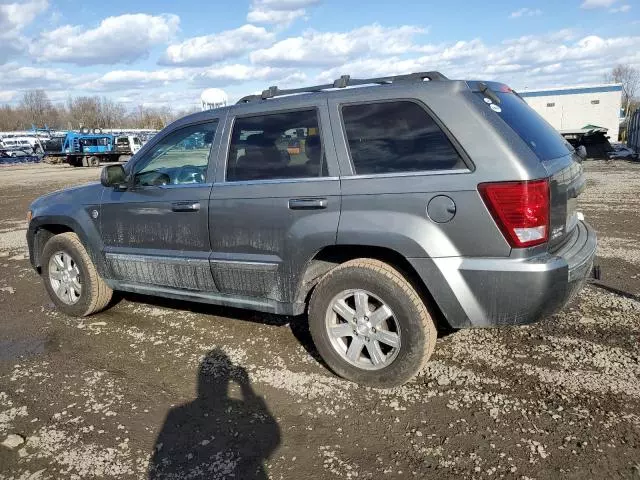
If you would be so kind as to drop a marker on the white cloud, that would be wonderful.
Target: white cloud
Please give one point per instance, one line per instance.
(176, 100)
(121, 39)
(227, 74)
(15, 76)
(597, 3)
(216, 75)
(138, 79)
(526, 12)
(555, 58)
(621, 9)
(7, 95)
(542, 60)
(14, 17)
(315, 48)
(280, 12)
(205, 50)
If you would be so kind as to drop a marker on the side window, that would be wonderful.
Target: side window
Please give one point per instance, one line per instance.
(179, 158)
(395, 137)
(276, 146)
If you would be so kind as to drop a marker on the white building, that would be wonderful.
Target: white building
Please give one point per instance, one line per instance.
(571, 108)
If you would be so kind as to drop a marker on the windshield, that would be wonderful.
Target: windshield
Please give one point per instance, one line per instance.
(542, 138)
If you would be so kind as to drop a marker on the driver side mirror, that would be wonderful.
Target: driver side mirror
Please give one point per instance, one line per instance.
(113, 176)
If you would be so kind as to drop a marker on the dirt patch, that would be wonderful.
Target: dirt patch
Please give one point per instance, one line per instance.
(150, 389)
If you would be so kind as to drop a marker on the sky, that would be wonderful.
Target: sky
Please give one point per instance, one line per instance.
(161, 52)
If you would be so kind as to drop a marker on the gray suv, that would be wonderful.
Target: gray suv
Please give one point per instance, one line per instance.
(375, 210)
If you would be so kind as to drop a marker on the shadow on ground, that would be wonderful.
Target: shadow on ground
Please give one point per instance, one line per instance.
(299, 325)
(226, 432)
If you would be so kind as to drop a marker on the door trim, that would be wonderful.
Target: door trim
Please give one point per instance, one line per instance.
(248, 264)
(155, 258)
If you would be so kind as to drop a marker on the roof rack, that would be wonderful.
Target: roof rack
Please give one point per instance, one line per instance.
(343, 82)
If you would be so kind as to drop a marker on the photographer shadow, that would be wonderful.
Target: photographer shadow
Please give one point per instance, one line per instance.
(226, 432)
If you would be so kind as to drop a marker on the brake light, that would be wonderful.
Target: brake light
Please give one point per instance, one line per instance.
(521, 210)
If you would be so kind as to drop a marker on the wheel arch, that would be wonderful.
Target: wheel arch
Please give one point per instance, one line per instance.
(331, 256)
(41, 229)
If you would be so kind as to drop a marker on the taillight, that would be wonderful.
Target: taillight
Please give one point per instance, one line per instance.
(521, 210)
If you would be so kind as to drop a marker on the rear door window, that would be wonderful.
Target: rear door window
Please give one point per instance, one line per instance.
(276, 146)
(540, 136)
(398, 136)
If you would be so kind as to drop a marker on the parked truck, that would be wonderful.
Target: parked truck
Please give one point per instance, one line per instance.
(127, 144)
(87, 148)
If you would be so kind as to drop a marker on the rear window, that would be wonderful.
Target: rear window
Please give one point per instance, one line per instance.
(397, 136)
(542, 138)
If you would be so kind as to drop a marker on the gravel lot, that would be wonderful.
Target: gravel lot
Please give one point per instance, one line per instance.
(152, 389)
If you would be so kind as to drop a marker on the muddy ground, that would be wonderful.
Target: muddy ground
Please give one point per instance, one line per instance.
(167, 390)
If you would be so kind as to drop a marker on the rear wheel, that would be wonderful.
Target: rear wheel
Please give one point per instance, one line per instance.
(70, 277)
(93, 161)
(369, 324)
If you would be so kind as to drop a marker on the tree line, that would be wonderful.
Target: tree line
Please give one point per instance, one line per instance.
(629, 77)
(35, 108)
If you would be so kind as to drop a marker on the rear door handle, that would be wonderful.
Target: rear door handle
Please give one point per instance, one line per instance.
(307, 203)
(185, 206)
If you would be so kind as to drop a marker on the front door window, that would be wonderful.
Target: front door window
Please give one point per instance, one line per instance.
(178, 159)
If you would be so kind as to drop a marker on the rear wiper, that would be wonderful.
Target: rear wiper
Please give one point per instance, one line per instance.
(487, 92)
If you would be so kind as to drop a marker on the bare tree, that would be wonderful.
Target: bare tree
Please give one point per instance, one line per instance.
(11, 118)
(93, 112)
(112, 114)
(85, 111)
(37, 108)
(629, 77)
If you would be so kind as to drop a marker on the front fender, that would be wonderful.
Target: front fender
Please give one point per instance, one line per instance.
(43, 227)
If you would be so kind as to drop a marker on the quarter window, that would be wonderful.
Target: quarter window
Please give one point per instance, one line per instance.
(276, 146)
(179, 158)
(395, 137)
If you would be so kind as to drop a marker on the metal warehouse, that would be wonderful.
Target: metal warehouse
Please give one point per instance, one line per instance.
(570, 108)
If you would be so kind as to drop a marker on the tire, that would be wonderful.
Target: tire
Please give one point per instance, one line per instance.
(93, 295)
(93, 161)
(410, 321)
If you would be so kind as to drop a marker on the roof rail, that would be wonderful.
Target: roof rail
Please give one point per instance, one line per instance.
(343, 82)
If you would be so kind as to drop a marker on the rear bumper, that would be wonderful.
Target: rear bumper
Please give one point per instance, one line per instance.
(485, 292)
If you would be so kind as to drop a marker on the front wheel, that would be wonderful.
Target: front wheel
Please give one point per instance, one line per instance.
(70, 277)
(370, 325)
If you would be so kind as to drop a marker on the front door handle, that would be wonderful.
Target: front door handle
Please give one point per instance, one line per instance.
(185, 206)
(307, 203)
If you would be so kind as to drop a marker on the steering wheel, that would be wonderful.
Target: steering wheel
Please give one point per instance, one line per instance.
(189, 174)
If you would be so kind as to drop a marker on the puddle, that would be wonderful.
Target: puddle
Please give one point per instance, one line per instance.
(26, 347)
